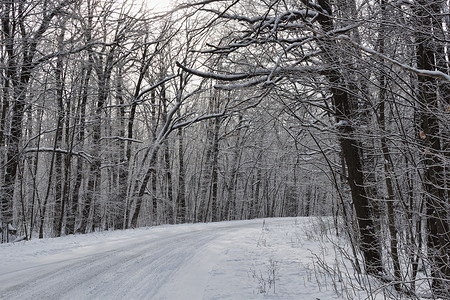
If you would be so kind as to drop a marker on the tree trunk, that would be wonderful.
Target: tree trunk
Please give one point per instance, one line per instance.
(122, 159)
(169, 207)
(229, 211)
(181, 205)
(391, 199)
(211, 164)
(130, 134)
(215, 172)
(388, 165)
(438, 240)
(169, 189)
(58, 212)
(71, 225)
(103, 70)
(351, 149)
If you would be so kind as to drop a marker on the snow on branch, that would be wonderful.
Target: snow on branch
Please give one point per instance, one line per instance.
(82, 154)
(420, 72)
(149, 89)
(262, 74)
(142, 93)
(121, 138)
(232, 77)
(198, 119)
(228, 48)
(288, 16)
(229, 87)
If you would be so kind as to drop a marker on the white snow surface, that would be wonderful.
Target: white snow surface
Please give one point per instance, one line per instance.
(257, 259)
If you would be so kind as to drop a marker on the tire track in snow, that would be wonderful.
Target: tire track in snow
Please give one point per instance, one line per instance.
(136, 270)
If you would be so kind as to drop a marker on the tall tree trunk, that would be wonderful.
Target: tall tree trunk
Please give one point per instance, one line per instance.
(229, 211)
(169, 206)
(103, 70)
(65, 204)
(57, 214)
(71, 225)
(130, 134)
(49, 186)
(169, 188)
(388, 164)
(181, 205)
(212, 157)
(34, 171)
(350, 148)
(153, 151)
(143, 187)
(93, 186)
(122, 159)
(255, 210)
(388, 174)
(215, 172)
(205, 177)
(19, 80)
(438, 240)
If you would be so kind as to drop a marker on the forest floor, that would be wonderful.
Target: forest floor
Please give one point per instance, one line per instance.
(280, 258)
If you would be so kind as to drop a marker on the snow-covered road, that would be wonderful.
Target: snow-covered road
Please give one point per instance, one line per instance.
(226, 260)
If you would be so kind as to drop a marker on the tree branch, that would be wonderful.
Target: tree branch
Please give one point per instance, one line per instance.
(82, 154)
(420, 72)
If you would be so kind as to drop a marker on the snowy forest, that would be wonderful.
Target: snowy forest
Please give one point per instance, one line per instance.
(115, 116)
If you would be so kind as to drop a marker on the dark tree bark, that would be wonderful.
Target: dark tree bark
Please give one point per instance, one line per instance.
(181, 203)
(388, 164)
(58, 213)
(169, 207)
(103, 66)
(130, 126)
(229, 211)
(204, 200)
(350, 148)
(215, 172)
(119, 203)
(211, 164)
(71, 225)
(438, 230)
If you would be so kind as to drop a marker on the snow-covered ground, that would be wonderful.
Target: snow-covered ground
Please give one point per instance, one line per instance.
(257, 259)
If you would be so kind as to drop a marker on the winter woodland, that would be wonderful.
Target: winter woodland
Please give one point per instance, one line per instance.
(115, 116)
